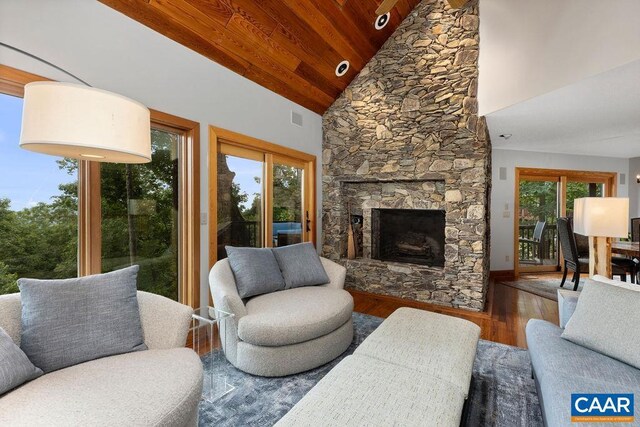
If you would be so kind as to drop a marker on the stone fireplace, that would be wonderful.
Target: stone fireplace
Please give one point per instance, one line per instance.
(404, 141)
(414, 236)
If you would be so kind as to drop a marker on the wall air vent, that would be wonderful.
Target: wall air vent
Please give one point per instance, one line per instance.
(296, 118)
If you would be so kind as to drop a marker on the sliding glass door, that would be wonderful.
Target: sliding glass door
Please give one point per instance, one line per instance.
(140, 216)
(239, 200)
(263, 194)
(287, 211)
(537, 215)
(542, 195)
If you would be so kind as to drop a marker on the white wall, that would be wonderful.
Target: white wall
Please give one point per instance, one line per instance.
(528, 48)
(113, 52)
(503, 191)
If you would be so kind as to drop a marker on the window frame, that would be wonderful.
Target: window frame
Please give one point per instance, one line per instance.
(236, 144)
(12, 82)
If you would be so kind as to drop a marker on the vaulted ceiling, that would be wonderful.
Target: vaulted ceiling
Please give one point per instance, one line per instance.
(291, 47)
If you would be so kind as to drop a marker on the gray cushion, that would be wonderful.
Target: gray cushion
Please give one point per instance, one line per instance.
(606, 320)
(300, 265)
(158, 388)
(70, 321)
(255, 270)
(552, 355)
(15, 367)
(562, 368)
(421, 340)
(362, 391)
(294, 315)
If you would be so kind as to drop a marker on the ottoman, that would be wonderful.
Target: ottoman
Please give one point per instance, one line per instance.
(431, 343)
(414, 370)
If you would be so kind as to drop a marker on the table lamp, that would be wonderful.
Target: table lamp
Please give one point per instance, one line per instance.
(601, 218)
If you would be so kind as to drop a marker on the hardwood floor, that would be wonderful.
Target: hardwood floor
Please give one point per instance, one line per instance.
(504, 320)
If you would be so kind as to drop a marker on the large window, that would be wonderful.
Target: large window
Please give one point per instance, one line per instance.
(264, 194)
(60, 218)
(38, 207)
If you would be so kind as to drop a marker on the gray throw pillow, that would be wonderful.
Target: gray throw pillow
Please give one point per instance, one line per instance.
(300, 265)
(70, 321)
(606, 320)
(15, 367)
(256, 271)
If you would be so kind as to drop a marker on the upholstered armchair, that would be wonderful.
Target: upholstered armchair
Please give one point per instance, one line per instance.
(284, 332)
(158, 386)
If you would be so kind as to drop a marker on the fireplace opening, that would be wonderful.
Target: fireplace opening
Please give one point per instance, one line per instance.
(408, 235)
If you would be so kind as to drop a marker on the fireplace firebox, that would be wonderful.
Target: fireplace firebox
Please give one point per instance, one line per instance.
(408, 235)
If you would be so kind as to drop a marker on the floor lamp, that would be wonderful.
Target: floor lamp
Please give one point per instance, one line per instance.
(82, 122)
(601, 218)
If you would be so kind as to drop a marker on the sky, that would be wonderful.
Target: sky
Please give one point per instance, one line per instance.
(246, 170)
(26, 178)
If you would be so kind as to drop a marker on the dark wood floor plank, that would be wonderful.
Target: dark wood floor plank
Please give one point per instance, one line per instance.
(510, 310)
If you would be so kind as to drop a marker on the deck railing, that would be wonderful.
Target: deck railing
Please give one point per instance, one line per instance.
(548, 244)
(240, 233)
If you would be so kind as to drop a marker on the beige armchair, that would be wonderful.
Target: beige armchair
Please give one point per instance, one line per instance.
(284, 332)
(161, 386)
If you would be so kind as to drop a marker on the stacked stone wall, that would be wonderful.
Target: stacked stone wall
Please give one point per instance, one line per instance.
(410, 116)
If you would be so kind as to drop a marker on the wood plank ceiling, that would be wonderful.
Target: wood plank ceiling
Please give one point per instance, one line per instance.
(291, 47)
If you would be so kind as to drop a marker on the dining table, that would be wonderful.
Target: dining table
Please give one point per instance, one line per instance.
(630, 249)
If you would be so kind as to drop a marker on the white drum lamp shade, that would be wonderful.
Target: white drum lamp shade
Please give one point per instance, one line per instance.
(81, 122)
(601, 216)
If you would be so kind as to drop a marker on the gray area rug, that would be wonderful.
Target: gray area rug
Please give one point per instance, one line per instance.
(546, 287)
(502, 391)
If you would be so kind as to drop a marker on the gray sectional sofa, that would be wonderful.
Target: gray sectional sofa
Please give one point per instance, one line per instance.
(561, 367)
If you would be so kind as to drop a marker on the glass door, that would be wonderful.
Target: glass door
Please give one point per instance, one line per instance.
(240, 196)
(140, 216)
(263, 195)
(288, 225)
(539, 204)
(543, 195)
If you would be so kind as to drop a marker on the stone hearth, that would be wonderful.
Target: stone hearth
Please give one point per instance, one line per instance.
(405, 135)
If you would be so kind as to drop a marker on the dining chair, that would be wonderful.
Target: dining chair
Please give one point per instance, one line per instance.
(572, 259)
(630, 264)
(635, 229)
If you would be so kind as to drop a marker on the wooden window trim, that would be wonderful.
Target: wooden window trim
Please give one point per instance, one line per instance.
(233, 143)
(562, 176)
(189, 200)
(12, 82)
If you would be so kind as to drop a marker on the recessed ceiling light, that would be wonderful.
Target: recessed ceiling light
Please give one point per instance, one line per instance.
(382, 21)
(505, 135)
(342, 68)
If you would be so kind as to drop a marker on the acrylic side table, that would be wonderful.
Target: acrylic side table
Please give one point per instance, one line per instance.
(207, 332)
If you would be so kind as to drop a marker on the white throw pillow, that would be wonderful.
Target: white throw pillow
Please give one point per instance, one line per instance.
(606, 320)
